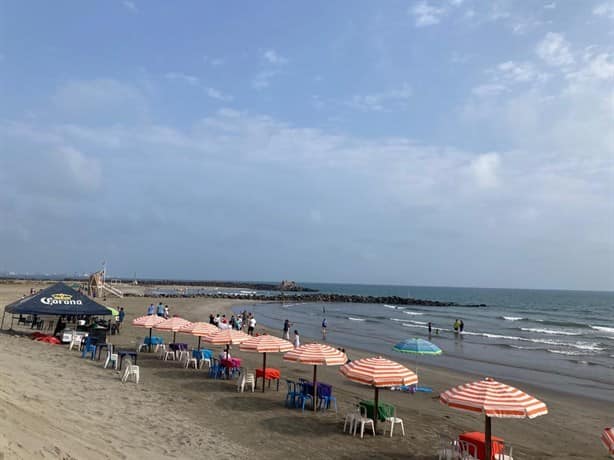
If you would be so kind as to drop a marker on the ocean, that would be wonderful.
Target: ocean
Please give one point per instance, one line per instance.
(563, 340)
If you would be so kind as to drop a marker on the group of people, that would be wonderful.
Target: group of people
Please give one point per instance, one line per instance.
(286, 334)
(160, 310)
(459, 326)
(238, 322)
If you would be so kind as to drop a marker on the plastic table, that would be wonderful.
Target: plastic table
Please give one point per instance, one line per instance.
(270, 373)
(384, 410)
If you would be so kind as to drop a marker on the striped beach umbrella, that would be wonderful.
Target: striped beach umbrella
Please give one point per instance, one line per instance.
(226, 337)
(148, 322)
(379, 373)
(266, 344)
(607, 438)
(174, 325)
(316, 355)
(493, 399)
(199, 329)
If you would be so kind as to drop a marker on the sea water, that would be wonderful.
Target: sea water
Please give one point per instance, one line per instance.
(562, 340)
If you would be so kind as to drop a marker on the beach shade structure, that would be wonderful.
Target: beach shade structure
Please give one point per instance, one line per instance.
(148, 322)
(226, 337)
(607, 438)
(493, 399)
(174, 325)
(417, 347)
(379, 373)
(316, 355)
(199, 329)
(266, 344)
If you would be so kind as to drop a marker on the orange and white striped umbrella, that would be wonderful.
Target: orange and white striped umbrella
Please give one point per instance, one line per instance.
(607, 438)
(174, 325)
(226, 337)
(199, 329)
(493, 399)
(379, 373)
(266, 344)
(316, 354)
(148, 322)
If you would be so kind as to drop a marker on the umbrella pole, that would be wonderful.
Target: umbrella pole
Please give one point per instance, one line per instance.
(149, 347)
(376, 409)
(315, 389)
(198, 346)
(263, 371)
(488, 439)
(174, 336)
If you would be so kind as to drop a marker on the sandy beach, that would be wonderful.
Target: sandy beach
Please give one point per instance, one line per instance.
(56, 405)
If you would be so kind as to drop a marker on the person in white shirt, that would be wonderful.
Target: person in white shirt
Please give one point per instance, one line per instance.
(252, 325)
(297, 339)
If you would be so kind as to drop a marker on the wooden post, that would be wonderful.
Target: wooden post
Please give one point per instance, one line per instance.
(375, 409)
(263, 371)
(488, 439)
(315, 390)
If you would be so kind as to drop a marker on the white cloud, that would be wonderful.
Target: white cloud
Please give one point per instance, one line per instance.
(426, 14)
(130, 6)
(263, 79)
(178, 76)
(485, 169)
(489, 89)
(215, 94)
(385, 100)
(605, 9)
(272, 57)
(550, 6)
(213, 62)
(554, 50)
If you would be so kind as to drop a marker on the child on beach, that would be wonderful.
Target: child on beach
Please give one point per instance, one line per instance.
(324, 326)
(286, 334)
(297, 340)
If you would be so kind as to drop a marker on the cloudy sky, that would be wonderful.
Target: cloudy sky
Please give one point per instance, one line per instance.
(452, 142)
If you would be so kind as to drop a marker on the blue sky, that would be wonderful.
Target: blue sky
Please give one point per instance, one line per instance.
(456, 142)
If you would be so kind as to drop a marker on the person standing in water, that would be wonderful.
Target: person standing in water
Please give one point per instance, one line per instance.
(430, 328)
(297, 339)
(286, 334)
(461, 326)
(324, 326)
(456, 326)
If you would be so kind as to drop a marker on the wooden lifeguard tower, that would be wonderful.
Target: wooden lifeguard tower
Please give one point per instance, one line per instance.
(97, 285)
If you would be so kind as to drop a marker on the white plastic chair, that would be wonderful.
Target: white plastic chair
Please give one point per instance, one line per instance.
(160, 346)
(169, 355)
(112, 358)
(183, 354)
(448, 448)
(246, 379)
(141, 346)
(363, 420)
(188, 360)
(350, 420)
(467, 450)
(206, 361)
(392, 421)
(131, 372)
(504, 456)
(75, 341)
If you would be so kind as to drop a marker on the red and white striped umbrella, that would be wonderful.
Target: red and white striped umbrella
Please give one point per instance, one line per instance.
(379, 373)
(226, 337)
(493, 399)
(316, 354)
(199, 329)
(148, 322)
(174, 325)
(266, 344)
(607, 438)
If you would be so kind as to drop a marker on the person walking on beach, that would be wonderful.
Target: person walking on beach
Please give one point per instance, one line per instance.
(167, 313)
(120, 318)
(297, 339)
(287, 325)
(461, 326)
(160, 310)
(456, 326)
(324, 326)
(252, 326)
(430, 328)
(151, 309)
(211, 319)
(216, 320)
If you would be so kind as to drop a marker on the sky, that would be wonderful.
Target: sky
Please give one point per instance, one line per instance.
(443, 143)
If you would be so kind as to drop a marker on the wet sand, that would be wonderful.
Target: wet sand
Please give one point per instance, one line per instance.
(56, 405)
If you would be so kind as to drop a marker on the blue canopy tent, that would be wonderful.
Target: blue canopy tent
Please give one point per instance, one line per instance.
(57, 300)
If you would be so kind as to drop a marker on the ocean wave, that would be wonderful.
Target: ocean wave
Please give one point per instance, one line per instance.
(512, 318)
(592, 346)
(413, 313)
(390, 306)
(355, 319)
(415, 325)
(567, 352)
(603, 329)
(400, 320)
(549, 331)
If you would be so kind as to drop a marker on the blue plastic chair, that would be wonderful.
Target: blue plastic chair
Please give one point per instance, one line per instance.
(292, 394)
(325, 397)
(89, 347)
(303, 396)
(216, 371)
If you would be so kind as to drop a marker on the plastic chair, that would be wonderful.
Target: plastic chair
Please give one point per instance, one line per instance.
(216, 371)
(142, 345)
(75, 341)
(89, 348)
(292, 394)
(131, 372)
(169, 355)
(448, 448)
(190, 360)
(325, 397)
(467, 450)
(392, 421)
(246, 379)
(302, 396)
(350, 418)
(504, 456)
(112, 358)
(363, 420)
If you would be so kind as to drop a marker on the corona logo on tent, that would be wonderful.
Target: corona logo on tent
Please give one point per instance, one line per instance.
(60, 299)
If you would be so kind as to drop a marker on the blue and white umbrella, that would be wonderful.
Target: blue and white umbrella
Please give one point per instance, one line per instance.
(417, 347)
